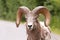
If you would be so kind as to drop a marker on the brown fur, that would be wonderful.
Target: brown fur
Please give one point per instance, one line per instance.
(35, 33)
(38, 33)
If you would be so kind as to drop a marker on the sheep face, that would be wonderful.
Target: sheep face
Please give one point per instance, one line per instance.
(30, 20)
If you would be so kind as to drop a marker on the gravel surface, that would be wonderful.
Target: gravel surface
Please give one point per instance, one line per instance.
(9, 31)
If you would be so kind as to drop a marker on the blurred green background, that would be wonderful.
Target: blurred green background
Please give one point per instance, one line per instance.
(8, 9)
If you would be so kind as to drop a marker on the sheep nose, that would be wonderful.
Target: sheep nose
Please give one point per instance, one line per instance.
(29, 25)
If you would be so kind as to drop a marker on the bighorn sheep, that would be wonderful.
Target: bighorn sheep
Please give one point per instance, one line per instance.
(35, 30)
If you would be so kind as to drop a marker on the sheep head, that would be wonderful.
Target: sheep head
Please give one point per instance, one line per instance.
(31, 16)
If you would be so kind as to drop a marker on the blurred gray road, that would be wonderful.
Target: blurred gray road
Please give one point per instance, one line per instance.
(9, 31)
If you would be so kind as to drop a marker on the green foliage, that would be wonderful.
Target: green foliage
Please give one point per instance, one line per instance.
(55, 21)
(8, 8)
(55, 24)
(40, 2)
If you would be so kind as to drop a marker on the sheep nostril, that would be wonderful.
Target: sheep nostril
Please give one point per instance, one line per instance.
(29, 25)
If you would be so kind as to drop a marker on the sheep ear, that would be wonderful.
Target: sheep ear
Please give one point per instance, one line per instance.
(43, 10)
(20, 11)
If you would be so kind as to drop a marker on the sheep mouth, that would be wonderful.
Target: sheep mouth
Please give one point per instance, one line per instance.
(30, 28)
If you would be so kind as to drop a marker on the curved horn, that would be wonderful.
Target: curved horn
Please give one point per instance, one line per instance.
(20, 11)
(45, 12)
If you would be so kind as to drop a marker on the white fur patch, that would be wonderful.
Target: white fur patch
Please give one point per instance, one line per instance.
(30, 23)
(44, 27)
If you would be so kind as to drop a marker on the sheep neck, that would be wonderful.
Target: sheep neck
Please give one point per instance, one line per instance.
(35, 34)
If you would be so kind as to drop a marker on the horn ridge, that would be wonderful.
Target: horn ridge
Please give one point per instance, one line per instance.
(20, 11)
(43, 10)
